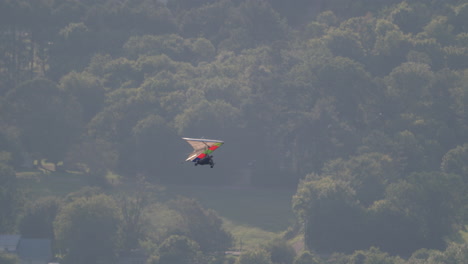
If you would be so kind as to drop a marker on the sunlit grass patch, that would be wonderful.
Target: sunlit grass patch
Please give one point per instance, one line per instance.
(247, 237)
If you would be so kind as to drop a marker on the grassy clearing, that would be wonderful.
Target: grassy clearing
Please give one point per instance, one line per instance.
(38, 184)
(247, 236)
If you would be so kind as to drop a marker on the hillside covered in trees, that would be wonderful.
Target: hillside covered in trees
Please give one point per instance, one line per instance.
(360, 105)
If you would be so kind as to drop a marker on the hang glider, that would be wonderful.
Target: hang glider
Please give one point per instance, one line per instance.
(202, 149)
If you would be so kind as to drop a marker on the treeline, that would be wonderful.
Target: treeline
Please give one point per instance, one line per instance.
(90, 226)
(366, 98)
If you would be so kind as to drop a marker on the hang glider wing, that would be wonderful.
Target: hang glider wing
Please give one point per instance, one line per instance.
(202, 147)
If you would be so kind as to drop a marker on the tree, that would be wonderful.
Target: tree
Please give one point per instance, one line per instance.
(121, 73)
(174, 46)
(427, 206)
(344, 43)
(10, 145)
(49, 119)
(148, 138)
(254, 256)
(461, 14)
(454, 253)
(201, 225)
(390, 48)
(11, 200)
(371, 256)
(368, 174)
(178, 249)
(330, 213)
(409, 86)
(410, 17)
(88, 91)
(39, 217)
(87, 230)
(363, 28)
(206, 20)
(71, 50)
(135, 219)
(347, 81)
(253, 23)
(203, 50)
(306, 257)
(440, 29)
(280, 251)
(197, 117)
(408, 152)
(454, 161)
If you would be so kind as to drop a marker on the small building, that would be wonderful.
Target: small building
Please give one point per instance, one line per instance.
(9, 243)
(34, 251)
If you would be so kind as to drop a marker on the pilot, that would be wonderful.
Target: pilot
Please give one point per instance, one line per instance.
(206, 160)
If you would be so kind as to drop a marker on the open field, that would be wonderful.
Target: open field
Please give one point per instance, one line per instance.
(253, 216)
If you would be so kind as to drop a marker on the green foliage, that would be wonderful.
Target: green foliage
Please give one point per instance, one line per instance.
(454, 161)
(317, 202)
(254, 23)
(307, 257)
(410, 17)
(49, 119)
(368, 97)
(454, 253)
(411, 210)
(10, 149)
(368, 174)
(254, 256)
(172, 45)
(37, 221)
(440, 29)
(11, 199)
(135, 226)
(203, 50)
(371, 256)
(206, 20)
(6, 258)
(280, 251)
(87, 229)
(87, 89)
(418, 205)
(201, 225)
(344, 44)
(178, 249)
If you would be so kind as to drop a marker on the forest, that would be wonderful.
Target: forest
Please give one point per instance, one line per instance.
(360, 107)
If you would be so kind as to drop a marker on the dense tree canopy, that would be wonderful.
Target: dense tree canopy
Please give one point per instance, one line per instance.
(362, 105)
(87, 229)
